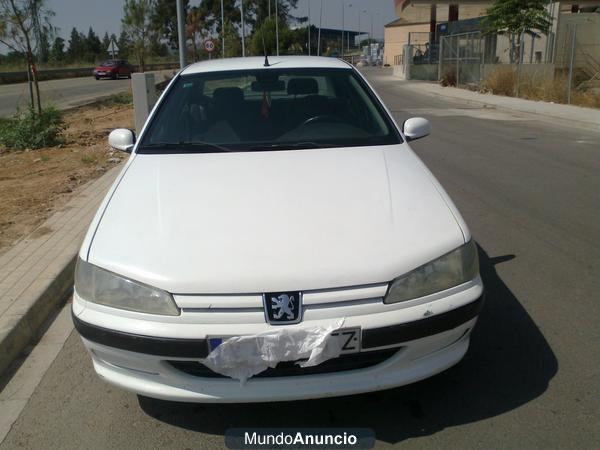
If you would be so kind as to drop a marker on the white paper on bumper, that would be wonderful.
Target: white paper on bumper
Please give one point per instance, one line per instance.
(245, 356)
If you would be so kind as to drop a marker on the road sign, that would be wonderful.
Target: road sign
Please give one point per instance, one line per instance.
(209, 46)
(113, 48)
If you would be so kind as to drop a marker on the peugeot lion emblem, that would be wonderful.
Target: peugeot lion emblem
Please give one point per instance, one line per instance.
(282, 307)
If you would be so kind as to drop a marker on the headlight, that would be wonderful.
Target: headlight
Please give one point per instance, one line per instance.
(454, 268)
(106, 288)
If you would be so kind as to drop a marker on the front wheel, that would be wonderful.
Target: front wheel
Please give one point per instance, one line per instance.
(97, 77)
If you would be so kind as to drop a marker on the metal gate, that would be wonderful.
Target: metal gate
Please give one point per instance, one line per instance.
(460, 58)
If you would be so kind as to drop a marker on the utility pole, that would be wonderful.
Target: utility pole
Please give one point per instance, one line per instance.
(181, 33)
(349, 6)
(572, 61)
(343, 26)
(222, 30)
(243, 30)
(320, 23)
(277, 26)
(308, 27)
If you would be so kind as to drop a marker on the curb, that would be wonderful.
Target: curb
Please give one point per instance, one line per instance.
(27, 326)
(39, 271)
(580, 116)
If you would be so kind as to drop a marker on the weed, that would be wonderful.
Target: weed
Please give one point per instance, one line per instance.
(122, 98)
(503, 81)
(89, 159)
(32, 130)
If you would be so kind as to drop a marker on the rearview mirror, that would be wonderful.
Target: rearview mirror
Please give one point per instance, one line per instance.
(121, 139)
(416, 128)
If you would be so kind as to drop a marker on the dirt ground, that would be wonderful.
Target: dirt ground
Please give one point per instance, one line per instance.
(34, 184)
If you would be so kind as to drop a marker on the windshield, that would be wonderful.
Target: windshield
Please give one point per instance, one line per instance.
(268, 109)
(109, 63)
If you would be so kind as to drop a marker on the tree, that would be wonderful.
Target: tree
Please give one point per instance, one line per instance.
(233, 44)
(255, 13)
(43, 48)
(57, 52)
(196, 31)
(22, 23)
(105, 45)
(124, 44)
(76, 46)
(136, 23)
(164, 20)
(93, 46)
(515, 17)
(265, 33)
(259, 10)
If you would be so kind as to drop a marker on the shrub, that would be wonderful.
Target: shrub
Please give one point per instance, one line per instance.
(32, 130)
(449, 76)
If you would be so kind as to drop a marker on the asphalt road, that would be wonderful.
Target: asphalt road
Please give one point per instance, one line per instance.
(65, 93)
(530, 192)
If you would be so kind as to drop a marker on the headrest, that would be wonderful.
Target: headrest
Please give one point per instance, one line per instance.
(228, 95)
(302, 86)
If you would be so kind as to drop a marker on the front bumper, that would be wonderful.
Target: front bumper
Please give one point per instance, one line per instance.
(142, 362)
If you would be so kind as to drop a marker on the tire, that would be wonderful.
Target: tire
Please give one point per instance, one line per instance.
(114, 76)
(97, 77)
(129, 76)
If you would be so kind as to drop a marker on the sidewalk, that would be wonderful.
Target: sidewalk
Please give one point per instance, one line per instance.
(587, 117)
(37, 273)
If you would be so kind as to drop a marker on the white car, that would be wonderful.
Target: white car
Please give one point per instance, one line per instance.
(274, 202)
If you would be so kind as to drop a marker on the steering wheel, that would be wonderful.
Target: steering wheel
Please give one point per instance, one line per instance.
(320, 118)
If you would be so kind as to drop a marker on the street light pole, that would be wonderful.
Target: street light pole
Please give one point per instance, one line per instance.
(243, 30)
(222, 30)
(277, 26)
(349, 6)
(320, 23)
(359, 30)
(343, 25)
(308, 27)
(181, 33)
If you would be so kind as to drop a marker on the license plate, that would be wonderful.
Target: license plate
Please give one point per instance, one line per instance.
(349, 337)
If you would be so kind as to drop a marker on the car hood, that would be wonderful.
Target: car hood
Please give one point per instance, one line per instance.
(106, 67)
(274, 221)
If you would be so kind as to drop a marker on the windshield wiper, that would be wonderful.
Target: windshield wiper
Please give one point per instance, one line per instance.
(185, 147)
(286, 146)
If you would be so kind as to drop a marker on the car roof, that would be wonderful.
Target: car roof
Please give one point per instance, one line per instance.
(257, 62)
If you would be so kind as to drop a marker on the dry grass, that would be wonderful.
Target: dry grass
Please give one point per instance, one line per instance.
(449, 76)
(503, 81)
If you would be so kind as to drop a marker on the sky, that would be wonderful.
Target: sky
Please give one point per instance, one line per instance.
(105, 15)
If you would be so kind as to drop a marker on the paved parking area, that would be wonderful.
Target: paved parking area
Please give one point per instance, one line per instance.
(529, 191)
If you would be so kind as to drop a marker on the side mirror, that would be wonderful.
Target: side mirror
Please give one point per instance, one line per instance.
(416, 128)
(121, 139)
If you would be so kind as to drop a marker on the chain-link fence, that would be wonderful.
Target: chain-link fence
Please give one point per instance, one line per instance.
(461, 58)
(561, 66)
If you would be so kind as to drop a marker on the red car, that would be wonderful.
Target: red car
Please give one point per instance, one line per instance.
(113, 68)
